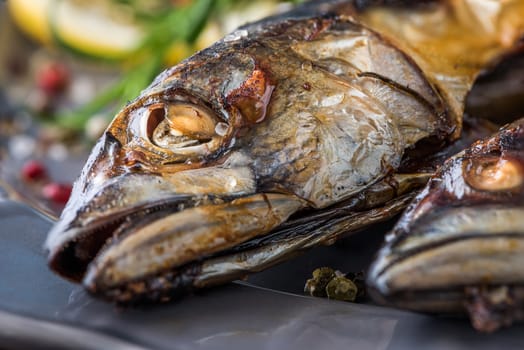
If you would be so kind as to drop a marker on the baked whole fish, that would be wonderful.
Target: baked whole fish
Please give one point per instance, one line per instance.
(286, 134)
(460, 245)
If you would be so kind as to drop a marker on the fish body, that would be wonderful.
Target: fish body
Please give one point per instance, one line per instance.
(284, 135)
(459, 247)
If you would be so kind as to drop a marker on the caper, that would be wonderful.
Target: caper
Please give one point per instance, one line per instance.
(316, 286)
(341, 288)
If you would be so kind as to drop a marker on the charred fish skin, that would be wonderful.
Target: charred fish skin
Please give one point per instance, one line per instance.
(227, 146)
(459, 246)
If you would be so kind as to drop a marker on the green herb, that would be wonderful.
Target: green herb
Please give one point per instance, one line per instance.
(326, 282)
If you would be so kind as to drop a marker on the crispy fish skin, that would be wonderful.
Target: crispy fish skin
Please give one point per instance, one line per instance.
(276, 118)
(460, 245)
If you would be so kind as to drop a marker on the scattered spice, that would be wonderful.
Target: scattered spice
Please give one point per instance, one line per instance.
(35, 174)
(34, 170)
(52, 78)
(326, 282)
(57, 192)
(316, 286)
(341, 288)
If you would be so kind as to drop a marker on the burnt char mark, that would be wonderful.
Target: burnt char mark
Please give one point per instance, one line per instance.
(160, 288)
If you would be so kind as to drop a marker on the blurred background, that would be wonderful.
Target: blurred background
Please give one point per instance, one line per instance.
(67, 66)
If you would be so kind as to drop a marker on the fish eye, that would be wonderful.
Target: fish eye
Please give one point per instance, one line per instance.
(184, 128)
(492, 173)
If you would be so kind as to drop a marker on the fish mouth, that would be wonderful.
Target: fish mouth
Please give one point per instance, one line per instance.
(159, 250)
(459, 300)
(152, 239)
(302, 231)
(432, 269)
(489, 306)
(71, 258)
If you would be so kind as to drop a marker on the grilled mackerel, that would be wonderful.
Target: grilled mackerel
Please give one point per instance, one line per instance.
(286, 134)
(460, 245)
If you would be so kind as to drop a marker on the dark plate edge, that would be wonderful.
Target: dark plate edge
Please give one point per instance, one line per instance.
(19, 332)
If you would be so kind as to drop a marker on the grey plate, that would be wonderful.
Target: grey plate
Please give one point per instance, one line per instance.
(39, 309)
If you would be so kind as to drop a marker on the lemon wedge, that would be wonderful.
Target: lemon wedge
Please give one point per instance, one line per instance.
(94, 28)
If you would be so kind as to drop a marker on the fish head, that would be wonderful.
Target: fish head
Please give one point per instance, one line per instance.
(172, 160)
(228, 144)
(463, 232)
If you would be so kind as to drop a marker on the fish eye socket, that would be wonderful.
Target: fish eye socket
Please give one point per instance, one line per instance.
(182, 127)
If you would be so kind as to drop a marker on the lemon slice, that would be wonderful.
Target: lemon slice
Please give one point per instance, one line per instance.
(94, 28)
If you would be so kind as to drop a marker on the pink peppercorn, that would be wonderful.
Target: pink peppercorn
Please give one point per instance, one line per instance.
(57, 192)
(53, 78)
(33, 170)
